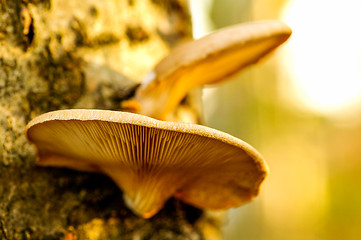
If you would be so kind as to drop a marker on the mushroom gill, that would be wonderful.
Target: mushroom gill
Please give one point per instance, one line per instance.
(151, 160)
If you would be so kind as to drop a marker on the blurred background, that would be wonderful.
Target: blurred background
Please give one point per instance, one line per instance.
(301, 109)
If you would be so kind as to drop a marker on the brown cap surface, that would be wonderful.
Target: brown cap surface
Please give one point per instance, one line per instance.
(151, 160)
(206, 61)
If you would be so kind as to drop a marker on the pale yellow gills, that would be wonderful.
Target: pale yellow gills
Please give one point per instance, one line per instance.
(205, 61)
(151, 160)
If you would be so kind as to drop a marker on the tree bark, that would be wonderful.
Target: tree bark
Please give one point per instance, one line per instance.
(58, 54)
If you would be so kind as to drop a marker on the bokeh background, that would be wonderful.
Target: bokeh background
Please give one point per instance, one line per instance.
(301, 109)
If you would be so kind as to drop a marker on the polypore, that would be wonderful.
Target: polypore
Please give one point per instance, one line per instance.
(205, 61)
(151, 160)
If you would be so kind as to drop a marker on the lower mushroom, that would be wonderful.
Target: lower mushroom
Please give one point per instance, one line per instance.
(151, 160)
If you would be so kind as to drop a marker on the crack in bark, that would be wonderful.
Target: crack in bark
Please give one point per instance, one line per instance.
(3, 230)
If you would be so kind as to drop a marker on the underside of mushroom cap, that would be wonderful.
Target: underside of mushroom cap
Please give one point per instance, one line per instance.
(208, 60)
(151, 160)
(253, 39)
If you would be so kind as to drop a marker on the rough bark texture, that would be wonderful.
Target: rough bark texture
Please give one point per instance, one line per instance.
(58, 54)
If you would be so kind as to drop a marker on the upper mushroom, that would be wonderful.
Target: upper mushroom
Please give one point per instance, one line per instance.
(151, 160)
(206, 61)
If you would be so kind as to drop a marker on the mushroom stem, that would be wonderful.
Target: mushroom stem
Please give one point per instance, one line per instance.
(145, 192)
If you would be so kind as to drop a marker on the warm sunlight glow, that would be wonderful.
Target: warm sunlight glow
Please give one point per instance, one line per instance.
(201, 22)
(202, 25)
(324, 54)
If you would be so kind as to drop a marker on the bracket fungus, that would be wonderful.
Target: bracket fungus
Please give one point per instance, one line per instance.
(207, 60)
(151, 160)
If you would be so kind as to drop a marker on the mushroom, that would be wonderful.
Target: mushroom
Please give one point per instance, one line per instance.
(151, 160)
(205, 61)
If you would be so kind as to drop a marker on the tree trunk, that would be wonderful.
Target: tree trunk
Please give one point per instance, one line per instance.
(58, 54)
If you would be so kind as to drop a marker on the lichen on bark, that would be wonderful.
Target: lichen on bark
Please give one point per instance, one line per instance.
(78, 54)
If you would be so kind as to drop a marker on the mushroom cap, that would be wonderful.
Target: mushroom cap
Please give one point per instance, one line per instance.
(207, 60)
(151, 160)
